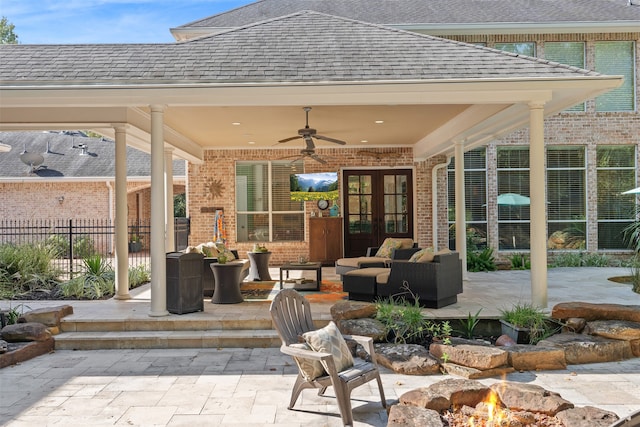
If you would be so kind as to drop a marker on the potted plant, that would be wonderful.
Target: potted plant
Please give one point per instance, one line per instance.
(135, 243)
(525, 323)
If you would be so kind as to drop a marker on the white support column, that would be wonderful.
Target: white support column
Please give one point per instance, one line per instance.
(537, 184)
(121, 220)
(168, 190)
(158, 209)
(461, 214)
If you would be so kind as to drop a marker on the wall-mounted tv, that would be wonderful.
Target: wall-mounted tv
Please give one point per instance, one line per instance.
(314, 186)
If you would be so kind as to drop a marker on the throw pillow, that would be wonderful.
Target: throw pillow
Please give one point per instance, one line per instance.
(427, 256)
(387, 247)
(310, 369)
(417, 255)
(330, 340)
(223, 250)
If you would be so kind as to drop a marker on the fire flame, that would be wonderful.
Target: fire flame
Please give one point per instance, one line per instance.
(494, 415)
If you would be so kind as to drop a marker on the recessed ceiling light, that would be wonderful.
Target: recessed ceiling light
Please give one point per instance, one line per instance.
(236, 123)
(251, 142)
(364, 140)
(378, 122)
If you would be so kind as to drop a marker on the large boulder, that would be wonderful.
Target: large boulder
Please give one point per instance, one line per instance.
(365, 327)
(21, 332)
(614, 329)
(590, 311)
(407, 359)
(530, 397)
(474, 356)
(352, 310)
(582, 348)
(525, 357)
(411, 416)
(587, 416)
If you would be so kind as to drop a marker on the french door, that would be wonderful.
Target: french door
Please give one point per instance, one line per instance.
(378, 204)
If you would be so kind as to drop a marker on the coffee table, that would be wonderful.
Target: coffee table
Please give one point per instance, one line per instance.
(303, 266)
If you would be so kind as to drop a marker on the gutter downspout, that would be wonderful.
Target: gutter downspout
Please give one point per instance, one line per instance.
(434, 200)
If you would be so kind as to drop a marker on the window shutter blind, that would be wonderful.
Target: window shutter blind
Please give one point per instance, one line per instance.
(616, 58)
(570, 53)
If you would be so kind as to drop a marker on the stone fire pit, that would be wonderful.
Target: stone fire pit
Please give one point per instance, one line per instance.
(463, 402)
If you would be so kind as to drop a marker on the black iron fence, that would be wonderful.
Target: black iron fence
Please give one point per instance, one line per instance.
(72, 240)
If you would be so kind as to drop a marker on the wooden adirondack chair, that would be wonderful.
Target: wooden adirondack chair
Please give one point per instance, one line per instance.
(291, 314)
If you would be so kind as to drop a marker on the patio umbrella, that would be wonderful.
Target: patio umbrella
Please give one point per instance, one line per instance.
(513, 199)
(219, 227)
(634, 191)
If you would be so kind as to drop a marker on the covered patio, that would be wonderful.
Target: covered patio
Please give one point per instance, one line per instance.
(439, 98)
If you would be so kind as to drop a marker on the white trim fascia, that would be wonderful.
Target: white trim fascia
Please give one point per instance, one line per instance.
(522, 28)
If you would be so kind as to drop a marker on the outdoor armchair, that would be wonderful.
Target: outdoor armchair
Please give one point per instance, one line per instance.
(322, 356)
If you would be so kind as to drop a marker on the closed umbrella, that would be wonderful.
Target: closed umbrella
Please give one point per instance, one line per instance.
(513, 199)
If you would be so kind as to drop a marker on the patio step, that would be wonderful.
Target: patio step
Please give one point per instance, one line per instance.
(167, 332)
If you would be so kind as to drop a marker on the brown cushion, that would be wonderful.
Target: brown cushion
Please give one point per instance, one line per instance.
(358, 262)
(367, 272)
(383, 278)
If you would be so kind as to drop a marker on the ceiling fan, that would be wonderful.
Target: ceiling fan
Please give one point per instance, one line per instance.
(308, 134)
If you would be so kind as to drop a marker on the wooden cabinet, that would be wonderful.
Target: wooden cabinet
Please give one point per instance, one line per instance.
(325, 239)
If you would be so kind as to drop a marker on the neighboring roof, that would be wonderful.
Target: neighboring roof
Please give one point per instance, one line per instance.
(63, 156)
(304, 47)
(400, 12)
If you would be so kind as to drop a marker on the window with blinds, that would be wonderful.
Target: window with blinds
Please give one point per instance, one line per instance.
(475, 188)
(616, 58)
(570, 53)
(523, 48)
(616, 172)
(264, 209)
(514, 226)
(566, 198)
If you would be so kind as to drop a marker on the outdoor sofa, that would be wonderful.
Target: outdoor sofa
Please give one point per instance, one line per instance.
(435, 283)
(390, 249)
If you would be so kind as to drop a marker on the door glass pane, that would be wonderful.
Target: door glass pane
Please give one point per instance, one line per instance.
(389, 184)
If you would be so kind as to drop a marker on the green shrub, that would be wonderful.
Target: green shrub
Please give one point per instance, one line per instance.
(531, 317)
(97, 281)
(405, 323)
(27, 267)
(519, 261)
(580, 259)
(468, 325)
(83, 247)
(58, 244)
(481, 260)
(635, 274)
(138, 275)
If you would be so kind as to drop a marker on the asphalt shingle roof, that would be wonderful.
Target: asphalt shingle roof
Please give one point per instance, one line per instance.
(65, 158)
(302, 47)
(397, 12)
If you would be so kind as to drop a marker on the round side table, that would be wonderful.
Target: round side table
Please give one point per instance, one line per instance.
(259, 268)
(227, 278)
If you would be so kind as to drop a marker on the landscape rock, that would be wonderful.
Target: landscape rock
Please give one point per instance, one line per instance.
(26, 351)
(614, 329)
(343, 310)
(473, 356)
(461, 392)
(582, 348)
(591, 311)
(505, 341)
(574, 324)
(49, 316)
(365, 327)
(407, 359)
(530, 397)
(525, 357)
(475, 374)
(587, 416)
(25, 332)
(4, 346)
(424, 397)
(635, 347)
(411, 416)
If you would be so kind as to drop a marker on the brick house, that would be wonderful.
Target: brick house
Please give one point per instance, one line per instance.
(593, 146)
(73, 179)
(405, 102)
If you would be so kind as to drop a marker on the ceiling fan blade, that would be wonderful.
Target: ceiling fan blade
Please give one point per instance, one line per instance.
(318, 159)
(326, 138)
(289, 139)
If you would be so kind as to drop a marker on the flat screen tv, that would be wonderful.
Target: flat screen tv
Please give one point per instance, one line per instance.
(314, 186)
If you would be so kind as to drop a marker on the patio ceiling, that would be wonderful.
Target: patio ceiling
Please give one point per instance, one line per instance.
(429, 92)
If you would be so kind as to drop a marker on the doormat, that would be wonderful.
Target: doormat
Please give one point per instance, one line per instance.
(265, 291)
